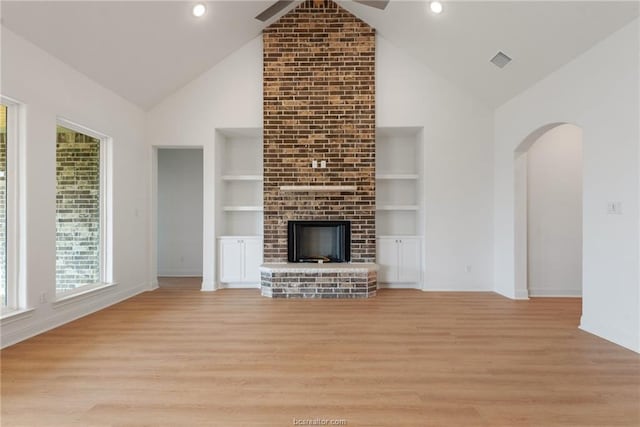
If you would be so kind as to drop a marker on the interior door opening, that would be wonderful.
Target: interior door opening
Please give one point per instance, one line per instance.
(180, 217)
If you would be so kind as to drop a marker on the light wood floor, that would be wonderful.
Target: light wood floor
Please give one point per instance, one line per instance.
(181, 357)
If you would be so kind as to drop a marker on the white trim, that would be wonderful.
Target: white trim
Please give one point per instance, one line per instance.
(620, 337)
(521, 294)
(555, 293)
(462, 289)
(81, 293)
(397, 176)
(239, 286)
(188, 273)
(397, 208)
(242, 178)
(61, 121)
(243, 209)
(10, 316)
(415, 286)
(153, 222)
(106, 210)
(16, 294)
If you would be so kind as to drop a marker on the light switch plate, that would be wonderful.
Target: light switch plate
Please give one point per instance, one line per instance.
(614, 208)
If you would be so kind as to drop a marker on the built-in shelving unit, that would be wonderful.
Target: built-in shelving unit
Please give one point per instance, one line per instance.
(399, 183)
(400, 213)
(238, 206)
(238, 182)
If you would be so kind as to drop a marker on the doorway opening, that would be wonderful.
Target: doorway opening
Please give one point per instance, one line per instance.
(548, 246)
(179, 218)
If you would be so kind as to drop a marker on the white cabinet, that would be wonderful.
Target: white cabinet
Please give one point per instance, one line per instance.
(399, 260)
(240, 259)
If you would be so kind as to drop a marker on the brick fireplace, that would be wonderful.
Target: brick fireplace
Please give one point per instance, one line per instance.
(319, 104)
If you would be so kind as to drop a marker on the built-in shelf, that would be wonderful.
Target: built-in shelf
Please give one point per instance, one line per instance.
(238, 175)
(397, 208)
(242, 178)
(242, 208)
(310, 188)
(398, 176)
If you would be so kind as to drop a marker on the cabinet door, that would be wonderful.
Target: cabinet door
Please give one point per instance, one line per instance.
(387, 260)
(231, 260)
(409, 261)
(252, 260)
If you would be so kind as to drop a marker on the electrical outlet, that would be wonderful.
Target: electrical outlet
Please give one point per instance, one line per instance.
(323, 164)
(43, 298)
(314, 164)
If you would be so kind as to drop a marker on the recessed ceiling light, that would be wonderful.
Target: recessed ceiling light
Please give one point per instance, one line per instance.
(199, 10)
(436, 7)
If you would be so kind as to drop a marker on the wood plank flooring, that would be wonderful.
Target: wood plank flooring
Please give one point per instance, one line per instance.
(181, 357)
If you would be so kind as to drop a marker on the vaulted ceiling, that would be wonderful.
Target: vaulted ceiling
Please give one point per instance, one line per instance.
(145, 50)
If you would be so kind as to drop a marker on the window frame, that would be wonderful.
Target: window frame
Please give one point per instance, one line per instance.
(105, 209)
(15, 290)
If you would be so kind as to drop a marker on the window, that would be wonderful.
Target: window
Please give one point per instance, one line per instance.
(8, 205)
(81, 215)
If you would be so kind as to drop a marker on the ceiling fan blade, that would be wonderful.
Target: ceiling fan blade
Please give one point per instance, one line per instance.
(272, 10)
(378, 4)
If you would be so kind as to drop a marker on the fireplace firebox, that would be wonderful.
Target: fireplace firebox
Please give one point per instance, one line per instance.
(319, 241)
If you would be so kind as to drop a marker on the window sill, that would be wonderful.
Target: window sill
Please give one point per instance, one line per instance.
(13, 315)
(81, 293)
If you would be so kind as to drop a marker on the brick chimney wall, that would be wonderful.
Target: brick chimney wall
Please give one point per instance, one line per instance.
(319, 104)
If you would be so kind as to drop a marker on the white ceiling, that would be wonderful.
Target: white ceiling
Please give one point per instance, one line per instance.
(540, 37)
(145, 50)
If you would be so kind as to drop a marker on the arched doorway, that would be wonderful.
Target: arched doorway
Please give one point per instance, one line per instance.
(548, 212)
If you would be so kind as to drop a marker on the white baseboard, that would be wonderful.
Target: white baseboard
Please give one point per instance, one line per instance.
(180, 274)
(398, 286)
(37, 324)
(555, 293)
(456, 290)
(521, 294)
(239, 286)
(622, 338)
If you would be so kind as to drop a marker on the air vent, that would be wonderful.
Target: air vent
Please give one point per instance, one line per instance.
(500, 60)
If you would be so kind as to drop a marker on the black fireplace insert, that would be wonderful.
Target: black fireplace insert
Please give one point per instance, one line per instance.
(319, 241)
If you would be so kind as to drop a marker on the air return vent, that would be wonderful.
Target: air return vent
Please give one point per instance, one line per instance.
(500, 60)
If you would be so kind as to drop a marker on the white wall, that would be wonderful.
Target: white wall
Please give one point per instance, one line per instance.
(598, 92)
(458, 132)
(555, 213)
(229, 95)
(179, 212)
(50, 89)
